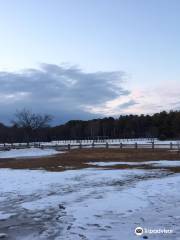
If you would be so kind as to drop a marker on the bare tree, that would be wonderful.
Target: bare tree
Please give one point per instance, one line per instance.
(31, 122)
(27, 119)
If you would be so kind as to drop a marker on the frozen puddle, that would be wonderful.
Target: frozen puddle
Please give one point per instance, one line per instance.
(163, 163)
(28, 152)
(87, 204)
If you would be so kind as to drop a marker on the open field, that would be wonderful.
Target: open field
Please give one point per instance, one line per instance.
(76, 159)
(90, 194)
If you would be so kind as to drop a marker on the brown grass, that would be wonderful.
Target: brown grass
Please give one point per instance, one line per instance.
(77, 159)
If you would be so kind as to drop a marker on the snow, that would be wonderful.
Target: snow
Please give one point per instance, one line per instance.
(106, 164)
(17, 181)
(113, 143)
(166, 163)
(162, 163)
(98, 203)
(28, 152)
(4, 216)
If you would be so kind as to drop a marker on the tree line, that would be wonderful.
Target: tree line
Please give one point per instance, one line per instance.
(31, 127)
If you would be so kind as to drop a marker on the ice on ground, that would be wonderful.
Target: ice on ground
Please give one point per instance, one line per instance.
(28, 152)
(88, 203)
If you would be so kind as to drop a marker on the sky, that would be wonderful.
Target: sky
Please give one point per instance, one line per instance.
(77, 59)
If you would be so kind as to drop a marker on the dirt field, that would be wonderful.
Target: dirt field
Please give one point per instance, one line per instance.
(76, 159)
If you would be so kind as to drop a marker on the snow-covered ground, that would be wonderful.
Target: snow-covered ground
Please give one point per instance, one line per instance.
(27, 152)
(110, 141)
(113, 141)
(165, 163)
(162, 163)
(88, 204)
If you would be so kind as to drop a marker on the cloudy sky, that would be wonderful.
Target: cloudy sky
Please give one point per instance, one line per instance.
(79, 59)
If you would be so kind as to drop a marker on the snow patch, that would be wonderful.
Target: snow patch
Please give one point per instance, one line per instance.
(162, 163)
(104, 164)
(4, 216)
(28, 152)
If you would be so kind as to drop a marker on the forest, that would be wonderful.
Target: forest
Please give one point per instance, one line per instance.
(30, 128)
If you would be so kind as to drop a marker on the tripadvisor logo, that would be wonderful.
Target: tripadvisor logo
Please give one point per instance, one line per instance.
(139, 231)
